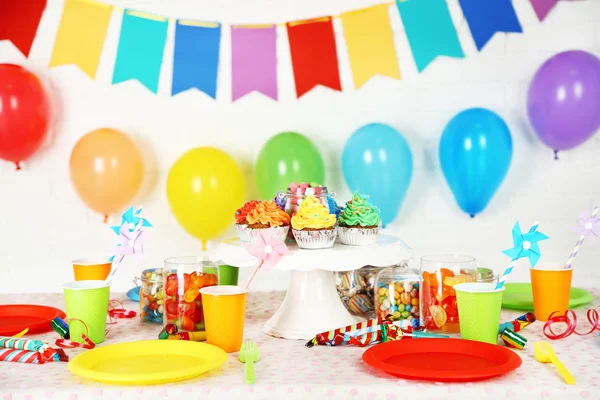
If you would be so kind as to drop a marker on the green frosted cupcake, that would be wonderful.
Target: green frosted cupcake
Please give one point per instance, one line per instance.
(359, 223)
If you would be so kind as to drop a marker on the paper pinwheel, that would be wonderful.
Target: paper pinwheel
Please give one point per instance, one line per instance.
(526, 245)
(131, 219)
(588, 226)
(268, 249)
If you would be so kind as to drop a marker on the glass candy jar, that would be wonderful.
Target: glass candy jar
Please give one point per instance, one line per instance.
(184, 277)
(356, 290)
(295, 195)
(439, 274)
(397, 295)
(152, 296)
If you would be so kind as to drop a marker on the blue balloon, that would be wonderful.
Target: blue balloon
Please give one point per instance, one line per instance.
(378, 162)
(475, 154)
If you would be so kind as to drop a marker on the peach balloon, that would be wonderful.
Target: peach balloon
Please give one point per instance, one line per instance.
(106, 170)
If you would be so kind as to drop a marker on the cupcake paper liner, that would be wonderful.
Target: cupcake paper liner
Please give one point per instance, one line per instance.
(358, 236)
(321, 239)
(242, 231)
(280, 233)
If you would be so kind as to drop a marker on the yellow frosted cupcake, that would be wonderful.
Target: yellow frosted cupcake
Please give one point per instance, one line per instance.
(313, 227)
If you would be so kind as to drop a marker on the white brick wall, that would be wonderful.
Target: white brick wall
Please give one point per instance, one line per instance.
(44, 225)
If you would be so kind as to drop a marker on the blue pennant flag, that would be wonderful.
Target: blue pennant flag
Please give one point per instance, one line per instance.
(141, 48)
(485, 18)
(430, 30)
(196, 57)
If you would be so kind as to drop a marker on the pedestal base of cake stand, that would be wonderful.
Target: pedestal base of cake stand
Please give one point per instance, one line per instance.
(311, 306)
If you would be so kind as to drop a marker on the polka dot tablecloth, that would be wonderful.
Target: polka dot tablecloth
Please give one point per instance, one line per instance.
(288, 370)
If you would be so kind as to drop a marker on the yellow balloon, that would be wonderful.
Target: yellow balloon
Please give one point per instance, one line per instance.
(204, 188)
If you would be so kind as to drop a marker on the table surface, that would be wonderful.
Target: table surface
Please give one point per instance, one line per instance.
(289, 370)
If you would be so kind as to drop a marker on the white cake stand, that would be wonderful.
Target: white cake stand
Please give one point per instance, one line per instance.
(312, 304)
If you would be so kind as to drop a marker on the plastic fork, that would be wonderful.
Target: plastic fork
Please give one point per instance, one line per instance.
(249, 355)
(545, 354)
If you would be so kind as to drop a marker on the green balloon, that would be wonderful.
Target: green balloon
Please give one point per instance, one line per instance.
(285, 158)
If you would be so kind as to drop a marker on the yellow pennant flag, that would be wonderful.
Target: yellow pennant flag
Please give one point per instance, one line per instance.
(81, 35)
(370, 44)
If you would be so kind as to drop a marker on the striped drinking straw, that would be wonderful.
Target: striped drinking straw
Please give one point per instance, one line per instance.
(579, 242)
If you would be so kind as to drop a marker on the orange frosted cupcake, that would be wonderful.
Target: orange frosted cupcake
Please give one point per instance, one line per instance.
(267, 214)
(241, 223)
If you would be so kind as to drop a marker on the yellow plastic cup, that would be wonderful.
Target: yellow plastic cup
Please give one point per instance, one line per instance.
(479, 307)
(87, 302)
(86, 269)
(224, 311)
(551, 289)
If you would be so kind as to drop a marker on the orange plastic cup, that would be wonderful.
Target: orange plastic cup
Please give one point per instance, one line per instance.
(91, 270)
(551, 291)
(224, 311)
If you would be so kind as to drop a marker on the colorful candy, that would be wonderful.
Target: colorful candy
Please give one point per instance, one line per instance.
(400, 299)
(356, 290)
(152, 296)
(438, 299)
(183, 305)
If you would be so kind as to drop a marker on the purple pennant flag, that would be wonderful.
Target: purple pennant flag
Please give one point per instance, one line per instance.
(253, 61)
(543, 7)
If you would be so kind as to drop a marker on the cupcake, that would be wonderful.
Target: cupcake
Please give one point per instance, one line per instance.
(359, 222)
(313, 226)
(241, 223)
(267, 215)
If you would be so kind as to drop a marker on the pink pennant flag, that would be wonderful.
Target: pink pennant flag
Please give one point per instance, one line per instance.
(543, 7)
(253, 60)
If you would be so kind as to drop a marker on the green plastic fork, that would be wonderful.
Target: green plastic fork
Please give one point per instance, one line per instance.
(249, 355)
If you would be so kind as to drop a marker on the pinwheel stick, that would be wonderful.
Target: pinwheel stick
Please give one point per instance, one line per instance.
(579, 242)
(252, 274)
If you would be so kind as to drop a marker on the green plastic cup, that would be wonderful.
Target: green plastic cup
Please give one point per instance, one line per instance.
(228, 275)
(479, 311)
(87, 301)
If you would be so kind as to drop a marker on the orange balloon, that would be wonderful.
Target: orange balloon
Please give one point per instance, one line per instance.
(106, 170)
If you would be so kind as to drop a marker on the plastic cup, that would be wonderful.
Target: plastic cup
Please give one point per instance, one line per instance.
(479, 311)
(87, 301)
(228, 275)
(86, 269)
(551, 291)
(224, 311)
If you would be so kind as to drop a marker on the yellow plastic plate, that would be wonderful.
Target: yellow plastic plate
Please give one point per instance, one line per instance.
(147, 362)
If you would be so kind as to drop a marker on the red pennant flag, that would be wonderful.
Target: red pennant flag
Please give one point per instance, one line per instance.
(314, 55)
(19, 21)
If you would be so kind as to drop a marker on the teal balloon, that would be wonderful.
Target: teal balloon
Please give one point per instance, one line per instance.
(377, 161)
(475, 155)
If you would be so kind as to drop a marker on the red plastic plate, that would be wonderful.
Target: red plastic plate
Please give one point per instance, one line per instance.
(442, 360)
(16, 317)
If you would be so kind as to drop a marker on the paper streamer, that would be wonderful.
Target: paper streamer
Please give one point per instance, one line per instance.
(141, 47)
(370, 44)
(19, 22)
(314, 55)
(81, 35)
(430, 30)
(196, 57)
(253, 61)
(485, 18)
(543, 7)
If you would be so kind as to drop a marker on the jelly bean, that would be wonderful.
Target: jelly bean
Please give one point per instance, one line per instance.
(191, 294)
(399, 289)
(187, 323)
(396, 315)
(383, 308)
(386, 303)
(405, 314)
(199, 326)
(153, 306)
(414, 301)
(145, 301)
(158, 319)
(415, 310)
(405, 298)
(401, 307)
(416, 286)
(407, 308)
(392, 302)
(382, 291)
(161, 309)
(380, 300)
(196, 316)
(415, 323)
(396, 295)
(393, 308)
(414, 293)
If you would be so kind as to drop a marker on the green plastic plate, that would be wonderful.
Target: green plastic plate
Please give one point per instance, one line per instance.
(517, 296)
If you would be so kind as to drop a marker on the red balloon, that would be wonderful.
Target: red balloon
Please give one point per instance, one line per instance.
(24, 113)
